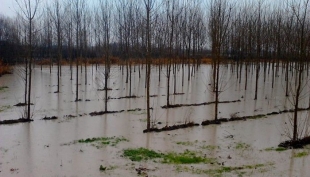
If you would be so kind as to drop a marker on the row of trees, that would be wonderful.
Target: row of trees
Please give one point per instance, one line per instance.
(182, 29)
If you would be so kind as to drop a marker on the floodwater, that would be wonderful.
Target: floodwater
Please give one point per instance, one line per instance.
(38, 148)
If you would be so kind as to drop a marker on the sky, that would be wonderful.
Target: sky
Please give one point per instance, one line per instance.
(7, 7)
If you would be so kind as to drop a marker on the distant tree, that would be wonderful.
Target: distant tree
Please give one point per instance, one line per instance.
(57, 16)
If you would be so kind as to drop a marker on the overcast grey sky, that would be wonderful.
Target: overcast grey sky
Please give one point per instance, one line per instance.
(9, 7)
(6, 7)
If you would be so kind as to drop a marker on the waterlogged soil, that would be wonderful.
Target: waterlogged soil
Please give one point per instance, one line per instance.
(78, 144)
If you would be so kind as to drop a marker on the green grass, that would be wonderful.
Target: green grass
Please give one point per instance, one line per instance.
(3, 108)
(209, 147)
(185, 143)
(3, 88)
(278, 149)
(187, 157)
(229, 169)
(141, 154)
(301, 154)
(242, 146)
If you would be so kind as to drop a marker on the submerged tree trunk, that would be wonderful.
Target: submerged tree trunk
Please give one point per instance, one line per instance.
(297, 98)
(256, 80)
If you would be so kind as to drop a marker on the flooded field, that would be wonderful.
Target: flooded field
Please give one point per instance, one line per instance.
(61, 147)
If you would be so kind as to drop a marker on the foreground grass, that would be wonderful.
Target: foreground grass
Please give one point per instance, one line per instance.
(301, 154)
(187, 157)
(141, 154)
(182, 161)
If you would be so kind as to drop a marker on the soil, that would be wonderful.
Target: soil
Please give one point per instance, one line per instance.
(22, 104)
(170, 128)
(104, 112)
(104, 89)
(196, 104)
(125, 97)
(50, 118)
(15, 121)
(295, 144)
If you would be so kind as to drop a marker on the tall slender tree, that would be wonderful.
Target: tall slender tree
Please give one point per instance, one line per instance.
(29, 10)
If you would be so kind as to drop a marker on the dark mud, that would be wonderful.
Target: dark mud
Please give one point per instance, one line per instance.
(21, 120)
(50, 118)
(95, 113)
(125, 97)
(104, 89)
(196, 104)
(244, 118)
(134, 96)
(70, 116)
(137, 109)
(22, 104)
(170, 128)
(295, 144)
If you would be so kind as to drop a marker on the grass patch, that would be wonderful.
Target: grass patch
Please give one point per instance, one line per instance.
(187, 157)
(2, 88)
(242, 146)
(3, 108)
(240, 170)
(301, 154)
(209, 147)
(100, 141)
(278, 149)
(141, 154)
(185, 143)
(142, 120)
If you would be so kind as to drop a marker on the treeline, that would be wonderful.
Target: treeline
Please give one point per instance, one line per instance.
(182, 29)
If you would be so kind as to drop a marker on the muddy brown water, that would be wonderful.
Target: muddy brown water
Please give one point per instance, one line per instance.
(36, 148)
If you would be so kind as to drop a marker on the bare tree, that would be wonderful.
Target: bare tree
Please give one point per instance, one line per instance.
(29, 10)
(149, 4)
(57, 16)
(106, 20)
(78, 6)
(219, 22)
